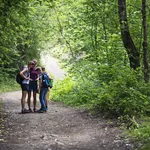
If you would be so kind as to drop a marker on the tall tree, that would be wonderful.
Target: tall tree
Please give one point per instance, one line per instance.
(145, 43)
(131, 49)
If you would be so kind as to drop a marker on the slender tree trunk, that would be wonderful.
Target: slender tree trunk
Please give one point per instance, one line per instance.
(145, 44)
(132, 51)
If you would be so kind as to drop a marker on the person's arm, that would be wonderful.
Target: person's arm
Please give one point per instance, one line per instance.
(40, 81)
(37, 78)
(22, 73)
(49, 88)
(39, 86)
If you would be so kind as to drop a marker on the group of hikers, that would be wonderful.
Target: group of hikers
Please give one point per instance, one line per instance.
(34, 80)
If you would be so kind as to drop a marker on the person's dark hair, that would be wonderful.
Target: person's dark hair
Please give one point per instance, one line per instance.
(43, 68)
(38, 69)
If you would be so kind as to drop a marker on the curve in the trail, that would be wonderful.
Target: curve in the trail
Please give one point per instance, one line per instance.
(52, 66)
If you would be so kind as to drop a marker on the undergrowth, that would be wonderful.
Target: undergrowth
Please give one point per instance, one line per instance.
(8, 84)
(123, 97)
(120, 94)
(141, 133)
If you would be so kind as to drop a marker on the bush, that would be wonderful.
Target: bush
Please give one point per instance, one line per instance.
(8, 84)
(119, 99)
(123, 93)
(72, 92)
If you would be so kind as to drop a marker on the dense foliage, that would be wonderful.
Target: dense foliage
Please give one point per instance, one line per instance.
(89, 37)
(21, 33)
(99, 66)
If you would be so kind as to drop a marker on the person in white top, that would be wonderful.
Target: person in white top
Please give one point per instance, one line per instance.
(25, 85)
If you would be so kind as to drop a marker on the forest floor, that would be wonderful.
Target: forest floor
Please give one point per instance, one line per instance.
(61, 128)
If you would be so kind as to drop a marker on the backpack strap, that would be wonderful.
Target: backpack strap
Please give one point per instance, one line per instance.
(45, 80)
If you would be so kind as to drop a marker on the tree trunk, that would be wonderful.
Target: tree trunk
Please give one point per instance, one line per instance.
(132, 51)
(145, 45)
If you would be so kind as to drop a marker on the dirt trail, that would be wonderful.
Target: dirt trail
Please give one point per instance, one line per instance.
(61, 128)
(52, 66)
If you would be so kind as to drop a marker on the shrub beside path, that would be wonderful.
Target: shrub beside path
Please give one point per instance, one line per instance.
(61, 128)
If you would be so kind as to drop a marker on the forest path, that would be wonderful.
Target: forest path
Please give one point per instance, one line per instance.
(61, 128)
(52, 66)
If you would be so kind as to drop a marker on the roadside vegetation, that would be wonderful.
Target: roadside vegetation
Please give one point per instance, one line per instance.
(103, 45)
(8, 84)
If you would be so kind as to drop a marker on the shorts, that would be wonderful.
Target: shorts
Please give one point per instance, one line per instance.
(33, 86)
(25, 87)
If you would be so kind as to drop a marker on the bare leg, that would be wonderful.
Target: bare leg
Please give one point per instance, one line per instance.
(29, 99)
(24, 93)
(34, 100)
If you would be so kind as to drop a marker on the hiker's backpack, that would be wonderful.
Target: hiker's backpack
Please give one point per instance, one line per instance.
(46, 81)
(19, 78)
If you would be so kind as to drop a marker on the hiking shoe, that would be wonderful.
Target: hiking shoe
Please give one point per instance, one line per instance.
(42, 111)
(24, 111)
(34, 110)
(30, 110)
